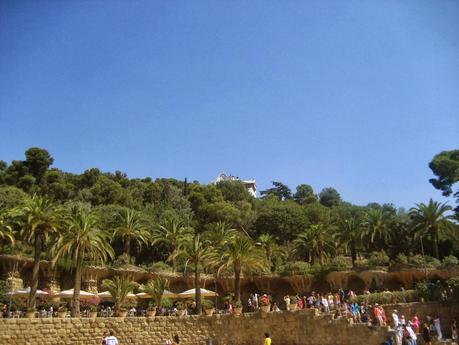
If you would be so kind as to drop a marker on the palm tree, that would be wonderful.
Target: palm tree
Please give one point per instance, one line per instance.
(377, 227)
(119, 287)
(155, 288)
(173, 233)
(270, 247)
(316, 241)
(430, 220)
(198, 252)
(6, 232)
(38, 218)
(83, 239)
(220, 234)
(350, 234)
(130, 228)
(238, 254)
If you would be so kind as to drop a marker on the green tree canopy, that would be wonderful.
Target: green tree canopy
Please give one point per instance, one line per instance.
(279, 190)
(445, 166)
(329, 197)
(304, 195)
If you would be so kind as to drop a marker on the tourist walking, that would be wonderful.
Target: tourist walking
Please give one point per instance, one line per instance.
(453, 330)
(255, 301)
(111, 339)
(300, 302)
(249, 304)
(413, 336)
(426, 334)
(267, 339)
(399, 335)
(287, 302)
(438, 327)
(378, 315)
(402, 320)
(416, 325)
(395, 319)
(325, 306)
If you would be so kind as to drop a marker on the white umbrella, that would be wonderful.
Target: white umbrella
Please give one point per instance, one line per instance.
(107, 294)
(24, 292)
(192, 293)
(69, 294)
(166, 294)
(104, 294)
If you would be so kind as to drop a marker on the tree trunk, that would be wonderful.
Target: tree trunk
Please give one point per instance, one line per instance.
(127, 247)
(237, 283)
(77, 287)
(197, 286)
(353, 252)
(174, 264)
(35, 271)
(435, 243)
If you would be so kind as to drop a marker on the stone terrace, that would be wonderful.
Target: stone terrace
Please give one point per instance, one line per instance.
(287, 328)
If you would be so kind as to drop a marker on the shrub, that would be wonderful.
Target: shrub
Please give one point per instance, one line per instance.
(159, 266)
(424, 291)
(4, 289)
(361, 263)
(166, 303)
(453, 284)
(151, 305)
(401, 259)
(378, 259)
(432, 262)
(450, 260)
(389, 297)
(123, 260)
(416, 260)
(295, 268)
(338, 263)
(207, 304)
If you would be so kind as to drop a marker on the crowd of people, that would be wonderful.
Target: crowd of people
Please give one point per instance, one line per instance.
(343, 304)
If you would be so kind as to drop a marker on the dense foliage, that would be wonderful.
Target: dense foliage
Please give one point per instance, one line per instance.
(151, 223)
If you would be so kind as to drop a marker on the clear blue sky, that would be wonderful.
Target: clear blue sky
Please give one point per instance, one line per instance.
(358, 95)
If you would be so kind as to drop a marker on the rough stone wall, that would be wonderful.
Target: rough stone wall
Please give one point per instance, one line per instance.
(287, 328)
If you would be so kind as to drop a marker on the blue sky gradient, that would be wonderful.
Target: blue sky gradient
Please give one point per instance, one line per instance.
(358, 95)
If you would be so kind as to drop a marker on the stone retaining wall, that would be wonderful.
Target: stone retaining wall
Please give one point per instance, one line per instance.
(446, 311)
(286, 328)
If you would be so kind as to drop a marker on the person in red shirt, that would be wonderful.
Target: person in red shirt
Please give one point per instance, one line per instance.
(378, 314)
(300, 302)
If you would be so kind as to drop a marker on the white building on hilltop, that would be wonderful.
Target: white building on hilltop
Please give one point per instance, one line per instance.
(250, 185)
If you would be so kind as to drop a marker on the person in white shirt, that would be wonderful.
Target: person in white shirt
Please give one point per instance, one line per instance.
(287, 302)
(325, 305)
(413, 336)
(438, 327)
(255, 301)
(111, 339)
(395, 318)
